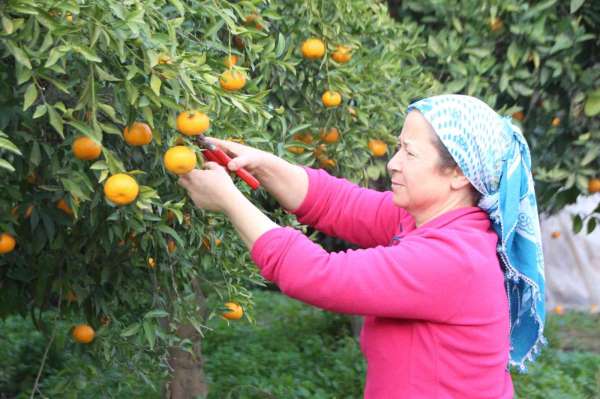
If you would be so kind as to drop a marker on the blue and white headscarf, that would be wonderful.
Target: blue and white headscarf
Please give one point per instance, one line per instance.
(495, 158)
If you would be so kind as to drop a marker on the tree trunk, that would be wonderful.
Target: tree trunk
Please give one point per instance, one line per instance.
(393, 6)
(187, 376)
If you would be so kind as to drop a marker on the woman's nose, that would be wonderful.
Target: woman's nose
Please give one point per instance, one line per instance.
(394, 164)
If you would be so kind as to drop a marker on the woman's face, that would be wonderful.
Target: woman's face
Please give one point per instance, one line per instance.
(418, 184)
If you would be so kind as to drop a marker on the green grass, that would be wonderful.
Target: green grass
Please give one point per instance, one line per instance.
(293, 351)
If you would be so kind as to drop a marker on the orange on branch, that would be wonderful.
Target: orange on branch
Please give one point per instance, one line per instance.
(235, 311)
(378, 147)
(231, 80)
(64, 206)
(179, 159)
(85, 148)
(342, 54)
(594, 185)
(121, 189)
(313, 49)
(230, 60)
(192, 123)
(331, 98)
(83, 333)
(137, 134)
(7, 243)
(330, 136)
(171, 246)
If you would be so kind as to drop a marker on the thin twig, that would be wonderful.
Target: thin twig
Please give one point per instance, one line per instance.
(37, 379)
(39, 374)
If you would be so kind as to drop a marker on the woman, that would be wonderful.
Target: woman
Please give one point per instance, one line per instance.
(457, 232)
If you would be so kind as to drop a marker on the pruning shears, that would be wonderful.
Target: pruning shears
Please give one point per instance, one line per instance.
(213, 153)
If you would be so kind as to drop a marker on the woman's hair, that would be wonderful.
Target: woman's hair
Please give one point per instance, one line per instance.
(447, 162)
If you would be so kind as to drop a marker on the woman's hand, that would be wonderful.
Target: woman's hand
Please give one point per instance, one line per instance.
(286, 182)
(252, 159)
(210, 188)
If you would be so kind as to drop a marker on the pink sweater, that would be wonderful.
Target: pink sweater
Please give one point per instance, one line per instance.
(436, 321)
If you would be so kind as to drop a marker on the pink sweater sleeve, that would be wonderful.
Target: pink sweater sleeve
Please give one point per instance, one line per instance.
(421, 277)
(340, 208)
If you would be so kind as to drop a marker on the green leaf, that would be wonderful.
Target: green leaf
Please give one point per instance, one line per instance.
(83, 128)
(149, 333)
(591, 155)
(74, 188)
(168, 230)
(132, 92)
(299, 127)
(131, 330)
(148, 115)
(110, 129)
(592, 103)
(155, 84)
(435, 46)
(110, 111)
(114, 165)
(99, 165)
(56, 83)
(513, 54)
(56, 121)
(23, 74)
(576, 4)
(179, 6)
(7, 25)
(5, 165)
(504, 81)
(9, 146)
(118, 10)
(478, 52)
(18, 53)
(53, 57)
(87, 53)
(238, 105)
(40, 111)
(562, 42)
(522, 89)
(30, 96)
(373, 172)
(103, 75)
(456, 85)
(35, 156)
(280, 45)
(157, 313)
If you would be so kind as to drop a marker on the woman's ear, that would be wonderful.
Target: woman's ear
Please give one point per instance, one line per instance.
(459, 180)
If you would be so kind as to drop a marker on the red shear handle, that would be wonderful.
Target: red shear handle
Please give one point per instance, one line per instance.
(223, 159)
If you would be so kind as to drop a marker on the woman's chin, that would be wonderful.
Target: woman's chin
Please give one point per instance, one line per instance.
(399, 199)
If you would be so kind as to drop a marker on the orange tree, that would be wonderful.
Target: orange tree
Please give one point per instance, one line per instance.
(537, 61)
(93, 224)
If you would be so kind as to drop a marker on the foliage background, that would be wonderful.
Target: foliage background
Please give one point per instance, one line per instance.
(293, 351)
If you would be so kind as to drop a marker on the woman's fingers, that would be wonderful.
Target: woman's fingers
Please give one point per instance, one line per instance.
(231, 148)
(243, 156)
(243, 161)
(184, 180)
